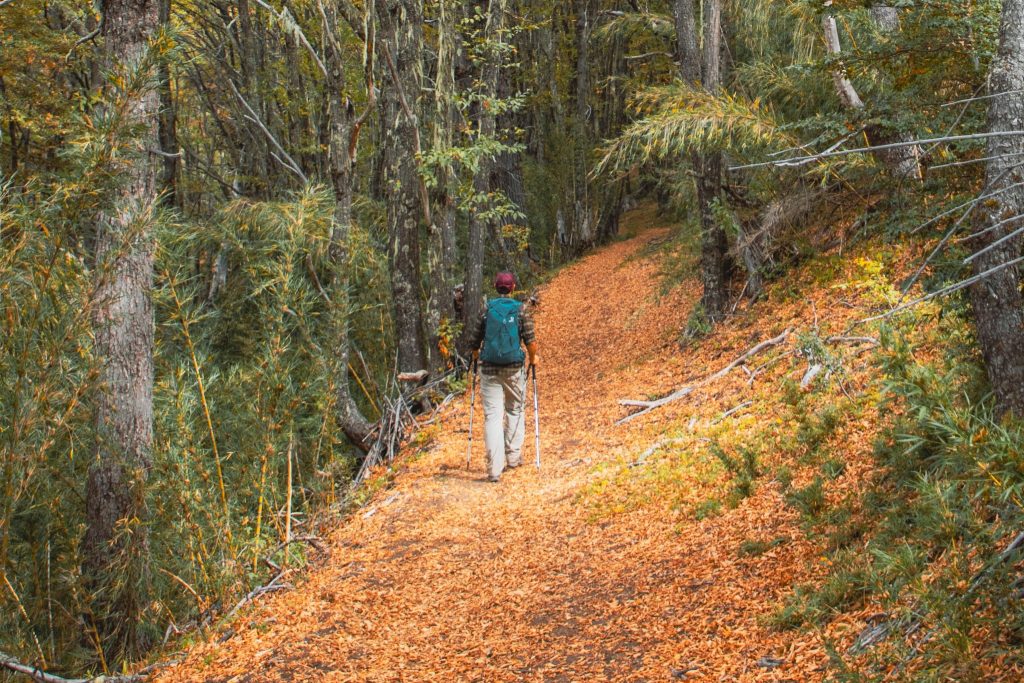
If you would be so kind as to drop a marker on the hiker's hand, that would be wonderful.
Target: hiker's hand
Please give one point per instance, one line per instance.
(534, 360)
(476, 354)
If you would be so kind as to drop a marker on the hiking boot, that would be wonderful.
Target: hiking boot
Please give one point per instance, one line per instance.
(492, 479)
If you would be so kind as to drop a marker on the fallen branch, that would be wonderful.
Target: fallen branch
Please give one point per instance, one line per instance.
(258, 591)
(733, 411)
(879, 632)
(653, 449)
(317, 544)
(417, 376)
(682, 392)
(812, 372)
(37, 674)
(852, 340)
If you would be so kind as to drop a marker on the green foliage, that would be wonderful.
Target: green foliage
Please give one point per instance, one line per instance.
(743, 467)
(757, 548)
(679, 120)
(706, 509)
(809, 500)
(928, 540)
(698, 325)
(815, 605)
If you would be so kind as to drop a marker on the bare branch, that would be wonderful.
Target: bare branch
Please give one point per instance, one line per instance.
(945, 290)
(291, 165)
(648, 55)
(37, 674)
(1005, 238)
(979, 160)
(981, 97)
(803, 161)
(682, 392)
(291, 25)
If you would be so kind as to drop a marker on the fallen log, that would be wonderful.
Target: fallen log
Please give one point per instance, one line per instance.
(682, 392)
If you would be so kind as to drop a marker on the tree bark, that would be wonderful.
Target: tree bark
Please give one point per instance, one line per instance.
(486, 127)
(997, 301)
(714, 241)
(401, 40)
(705, 71)
(168, 185)
(441, 247)
(115, 545)
(582, 235)
(903, 162)
(341, 161)
(687, 48)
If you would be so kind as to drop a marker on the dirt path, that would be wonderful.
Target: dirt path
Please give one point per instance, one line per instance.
(446, 577)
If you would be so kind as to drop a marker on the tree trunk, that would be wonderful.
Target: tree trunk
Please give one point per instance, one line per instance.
(582, 236)
(997, 302)
(441, 247)
(341, 161)
(115, 545)
(714, 241)
(705, 70)
(168, 184)
(254, 152)
(687, 49)
(401, 41)
(844, 87)
(486, 127)
(903, 162)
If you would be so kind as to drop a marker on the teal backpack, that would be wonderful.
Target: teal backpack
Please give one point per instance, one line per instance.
(501, 333)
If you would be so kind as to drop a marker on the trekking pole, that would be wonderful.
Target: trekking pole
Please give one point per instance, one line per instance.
(536, 417)
(472, 409)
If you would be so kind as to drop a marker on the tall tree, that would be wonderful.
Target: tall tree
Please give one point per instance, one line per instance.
(441, 246)
(486, 127)
(401, 45)
(582, 233)
(705, 70)
(115, 543)
(997, 301)
(344, 128)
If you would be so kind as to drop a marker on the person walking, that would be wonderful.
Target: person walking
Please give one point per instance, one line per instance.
(502, 331)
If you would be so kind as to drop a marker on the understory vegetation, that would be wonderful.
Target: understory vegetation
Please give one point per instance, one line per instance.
(231, 233)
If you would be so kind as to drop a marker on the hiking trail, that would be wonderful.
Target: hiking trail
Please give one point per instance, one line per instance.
(446, 577)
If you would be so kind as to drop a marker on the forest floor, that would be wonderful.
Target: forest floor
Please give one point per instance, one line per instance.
(613, 562)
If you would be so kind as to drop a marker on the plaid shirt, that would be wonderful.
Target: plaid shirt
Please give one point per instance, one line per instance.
(526, 335)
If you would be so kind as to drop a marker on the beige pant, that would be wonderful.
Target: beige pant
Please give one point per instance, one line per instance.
(504, 419)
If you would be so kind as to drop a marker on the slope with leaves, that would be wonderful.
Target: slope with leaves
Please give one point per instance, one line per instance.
(636, 552)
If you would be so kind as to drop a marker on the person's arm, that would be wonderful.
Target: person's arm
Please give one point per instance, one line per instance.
(529, 337)
(478, 336)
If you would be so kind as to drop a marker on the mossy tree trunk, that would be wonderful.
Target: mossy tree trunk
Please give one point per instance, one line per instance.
(401, 42)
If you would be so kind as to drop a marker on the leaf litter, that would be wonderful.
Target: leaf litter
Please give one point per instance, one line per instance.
(535, 579)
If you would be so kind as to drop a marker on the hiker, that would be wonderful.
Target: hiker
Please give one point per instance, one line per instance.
(504, 328)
